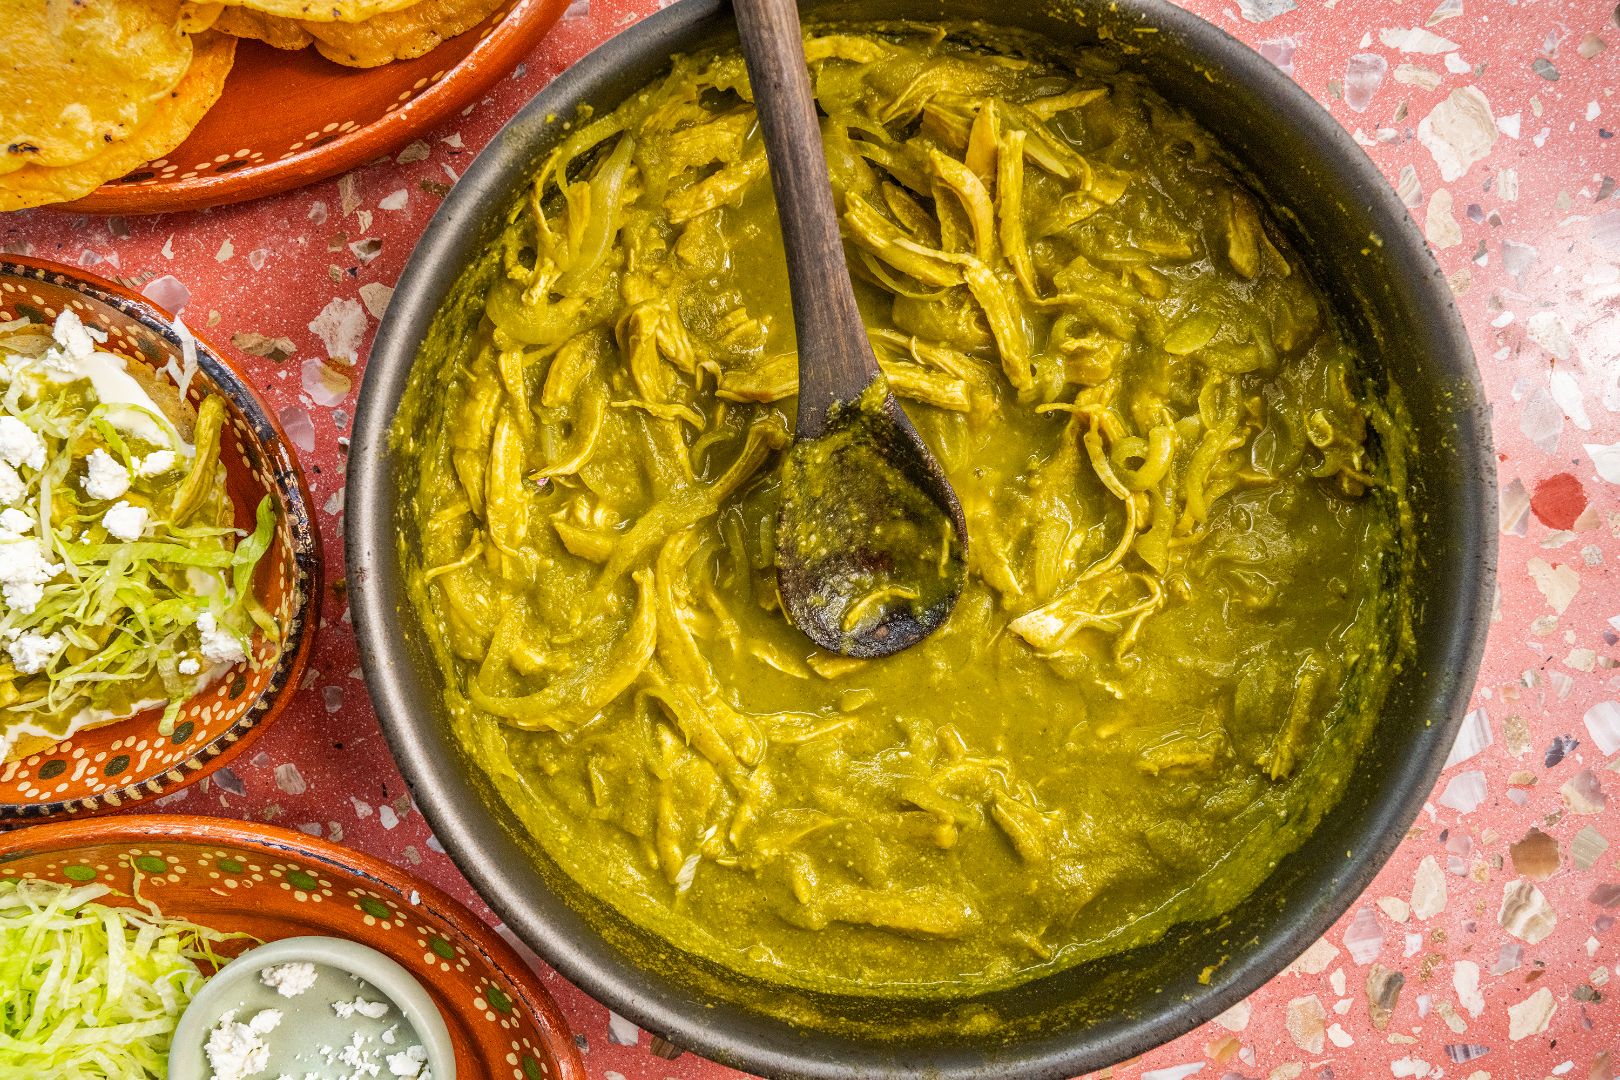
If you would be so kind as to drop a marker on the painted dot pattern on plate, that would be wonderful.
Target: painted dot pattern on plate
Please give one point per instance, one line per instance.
(272, 897)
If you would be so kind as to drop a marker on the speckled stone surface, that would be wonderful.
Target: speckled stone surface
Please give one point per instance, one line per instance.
(1487, 947)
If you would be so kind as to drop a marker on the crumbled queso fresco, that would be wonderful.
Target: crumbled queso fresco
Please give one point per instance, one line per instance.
(289, 980)
(218, 646)
(238, 1051)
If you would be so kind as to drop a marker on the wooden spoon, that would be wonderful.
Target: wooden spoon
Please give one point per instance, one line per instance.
(871, 542)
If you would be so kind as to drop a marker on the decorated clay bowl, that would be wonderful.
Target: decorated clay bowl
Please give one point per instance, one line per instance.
(275, 883)
(1368, 256)
(107, 767)
(287, 119)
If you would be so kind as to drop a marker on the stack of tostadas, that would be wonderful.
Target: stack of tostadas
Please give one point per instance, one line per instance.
(89, 91)
(355, 33)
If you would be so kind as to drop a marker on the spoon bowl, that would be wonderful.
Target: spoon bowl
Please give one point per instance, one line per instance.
(865, 503)
(870, 538)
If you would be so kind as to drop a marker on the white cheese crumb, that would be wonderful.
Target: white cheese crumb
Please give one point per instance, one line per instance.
(125, 522)
(388, 1035)
(105, 479)
(20, 445)
(356, 1057)
(74, 341)
(408, 1063)
(12, 488)
(24, 570)
(288, 980)
(374, 1009)
(189, 666)
(237, 1051)
(14, 524)
(156, 463)
(218, 645)
(30, 653)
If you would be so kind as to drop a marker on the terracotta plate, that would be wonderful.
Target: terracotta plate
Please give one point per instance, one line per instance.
(275, 883)
(290, 118)
(118, 764)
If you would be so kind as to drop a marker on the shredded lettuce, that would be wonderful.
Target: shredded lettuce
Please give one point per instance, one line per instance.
(118, 624)
(93, 992)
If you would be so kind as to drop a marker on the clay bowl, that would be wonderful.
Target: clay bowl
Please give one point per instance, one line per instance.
(121, 763)
(1370, 260)
(275, 883)
(287, 119)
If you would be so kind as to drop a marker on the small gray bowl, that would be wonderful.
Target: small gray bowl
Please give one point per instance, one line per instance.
(237, 987)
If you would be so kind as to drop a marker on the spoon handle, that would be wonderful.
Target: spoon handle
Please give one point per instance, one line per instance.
(835, 358)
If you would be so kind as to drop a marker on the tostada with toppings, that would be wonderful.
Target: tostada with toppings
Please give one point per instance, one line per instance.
(124, 584)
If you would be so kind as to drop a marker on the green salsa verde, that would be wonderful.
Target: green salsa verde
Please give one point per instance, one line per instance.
(1185, 504)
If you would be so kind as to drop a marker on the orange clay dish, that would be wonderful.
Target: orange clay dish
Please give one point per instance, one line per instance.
(112, 106)
(157, 566)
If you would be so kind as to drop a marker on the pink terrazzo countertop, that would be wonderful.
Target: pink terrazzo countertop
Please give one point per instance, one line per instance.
(1488, 946)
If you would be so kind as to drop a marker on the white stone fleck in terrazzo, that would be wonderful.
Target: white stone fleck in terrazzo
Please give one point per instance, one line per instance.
(1259, 11)
(1175, 1072)
(1417, 75)
(1409, 188)
(1566, 392)
(289, 779)
(340, 326)
(1587, 847)
(299, 428)
(324, 384)
(1473, 737)
(1548, 329)
(1582, 793)
(1525, 912)
(1465, 980)
(348, 196)
(167, 292)
(1306, 1021)
(1363, 75)
(1605, 460)
(1416, 40)
(1429, 884)
(1280, 51)
(1463, 793)
(1448, 9)
(1531, 1016)
(375, 296)
(621, 1031)
(1315, 960)
(1559, 583)
(1603, 724)
(1440, 224)
(1364, 937)
(1513, 509)
(1236, 1018)
(1459, 131)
